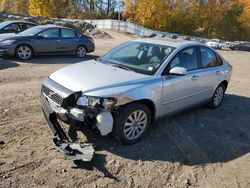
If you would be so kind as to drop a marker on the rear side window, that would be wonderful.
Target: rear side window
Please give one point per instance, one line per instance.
(66, 33)
(209, 58)
(219, 60)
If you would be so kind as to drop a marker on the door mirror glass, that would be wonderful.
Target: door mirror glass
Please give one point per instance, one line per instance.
(40, 36)
(178, 71)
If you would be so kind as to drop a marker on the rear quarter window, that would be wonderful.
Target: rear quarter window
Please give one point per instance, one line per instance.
(209, 58)
(219, 61)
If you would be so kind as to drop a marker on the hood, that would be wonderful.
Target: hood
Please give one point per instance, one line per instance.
(90, 76)
(6, 36)
(11, 36)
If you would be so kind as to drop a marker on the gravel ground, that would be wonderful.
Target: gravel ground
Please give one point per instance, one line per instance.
(198, 148)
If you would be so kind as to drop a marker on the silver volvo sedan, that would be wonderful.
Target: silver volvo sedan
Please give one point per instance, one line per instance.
(132, 85)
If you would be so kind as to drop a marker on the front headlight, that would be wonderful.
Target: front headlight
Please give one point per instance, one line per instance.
(104, 103)
(8, 41)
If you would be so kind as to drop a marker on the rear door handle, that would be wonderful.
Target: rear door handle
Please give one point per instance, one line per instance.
(194, 77)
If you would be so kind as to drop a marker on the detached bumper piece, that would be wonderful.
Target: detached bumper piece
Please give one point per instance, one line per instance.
(72, 151)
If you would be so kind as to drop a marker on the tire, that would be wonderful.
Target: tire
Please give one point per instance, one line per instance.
(127, 128)
(81, 51)
(24, 52)
(218, 96)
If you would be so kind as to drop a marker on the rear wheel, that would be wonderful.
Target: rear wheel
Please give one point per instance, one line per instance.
(131, 123)
(24, 52)
(81, 51)
(218, 96)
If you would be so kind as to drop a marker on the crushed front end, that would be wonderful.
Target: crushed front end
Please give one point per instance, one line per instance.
(61, 104)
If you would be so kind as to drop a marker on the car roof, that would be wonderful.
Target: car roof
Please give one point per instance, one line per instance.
(53, 26)
(167, 41)
(10, 22)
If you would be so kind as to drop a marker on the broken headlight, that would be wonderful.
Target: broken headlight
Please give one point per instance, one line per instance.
(104, 103)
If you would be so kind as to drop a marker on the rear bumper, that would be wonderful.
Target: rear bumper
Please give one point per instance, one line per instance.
(91, 47)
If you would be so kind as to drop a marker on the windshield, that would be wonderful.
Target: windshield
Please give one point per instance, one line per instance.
(32, 31)
(145, 58)
(3, 24)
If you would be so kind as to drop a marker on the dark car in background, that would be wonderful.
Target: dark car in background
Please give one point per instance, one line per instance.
(47, 39)
(15, 26)
(239, 45)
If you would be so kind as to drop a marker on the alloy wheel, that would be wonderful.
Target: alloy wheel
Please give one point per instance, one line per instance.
(24, 52)
(81, 51)
(135, 125)
(218, 95)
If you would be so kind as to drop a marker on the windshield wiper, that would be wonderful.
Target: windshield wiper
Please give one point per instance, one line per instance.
(121, 66)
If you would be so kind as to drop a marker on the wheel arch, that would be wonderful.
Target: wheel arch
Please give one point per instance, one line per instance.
(83, 46)
(225, 83)
(27, 44)
(149, 103)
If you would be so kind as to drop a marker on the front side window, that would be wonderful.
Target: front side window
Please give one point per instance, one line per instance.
(22, 26)
(145, 58)
(50, 33)
(66, 33)
(208, 58)
(186, 58)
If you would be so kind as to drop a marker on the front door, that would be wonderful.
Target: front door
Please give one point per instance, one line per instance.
(180, 91)
(48, 41)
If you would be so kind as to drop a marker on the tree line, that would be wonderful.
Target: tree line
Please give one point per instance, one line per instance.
(61, 8)
(225, 19)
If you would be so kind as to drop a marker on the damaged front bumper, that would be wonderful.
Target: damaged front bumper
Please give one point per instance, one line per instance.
(73, 151)
(58, 104)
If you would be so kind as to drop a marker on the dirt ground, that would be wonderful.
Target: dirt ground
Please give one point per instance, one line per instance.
(199, 148)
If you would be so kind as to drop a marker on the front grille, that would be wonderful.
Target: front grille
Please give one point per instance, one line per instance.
(58, 99)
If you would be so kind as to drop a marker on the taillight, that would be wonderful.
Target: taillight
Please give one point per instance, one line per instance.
(92, 40)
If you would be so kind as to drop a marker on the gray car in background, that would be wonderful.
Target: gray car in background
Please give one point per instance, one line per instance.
(15, 26)
(48, 39)
(125, 90)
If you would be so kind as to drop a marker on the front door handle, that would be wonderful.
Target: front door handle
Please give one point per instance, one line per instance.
(58, 40)
(218, 72)
(194, 77)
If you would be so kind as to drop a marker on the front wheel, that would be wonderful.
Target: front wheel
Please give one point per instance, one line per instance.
(217, 96)
(24, 52)
(81, 51)
(131, 123)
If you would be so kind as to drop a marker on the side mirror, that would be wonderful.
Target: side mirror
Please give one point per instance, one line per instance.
(39, 36)
(178, 71)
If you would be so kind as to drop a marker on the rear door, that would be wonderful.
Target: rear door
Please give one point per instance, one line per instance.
(210, 71)
(69, 40)
(48, 41)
